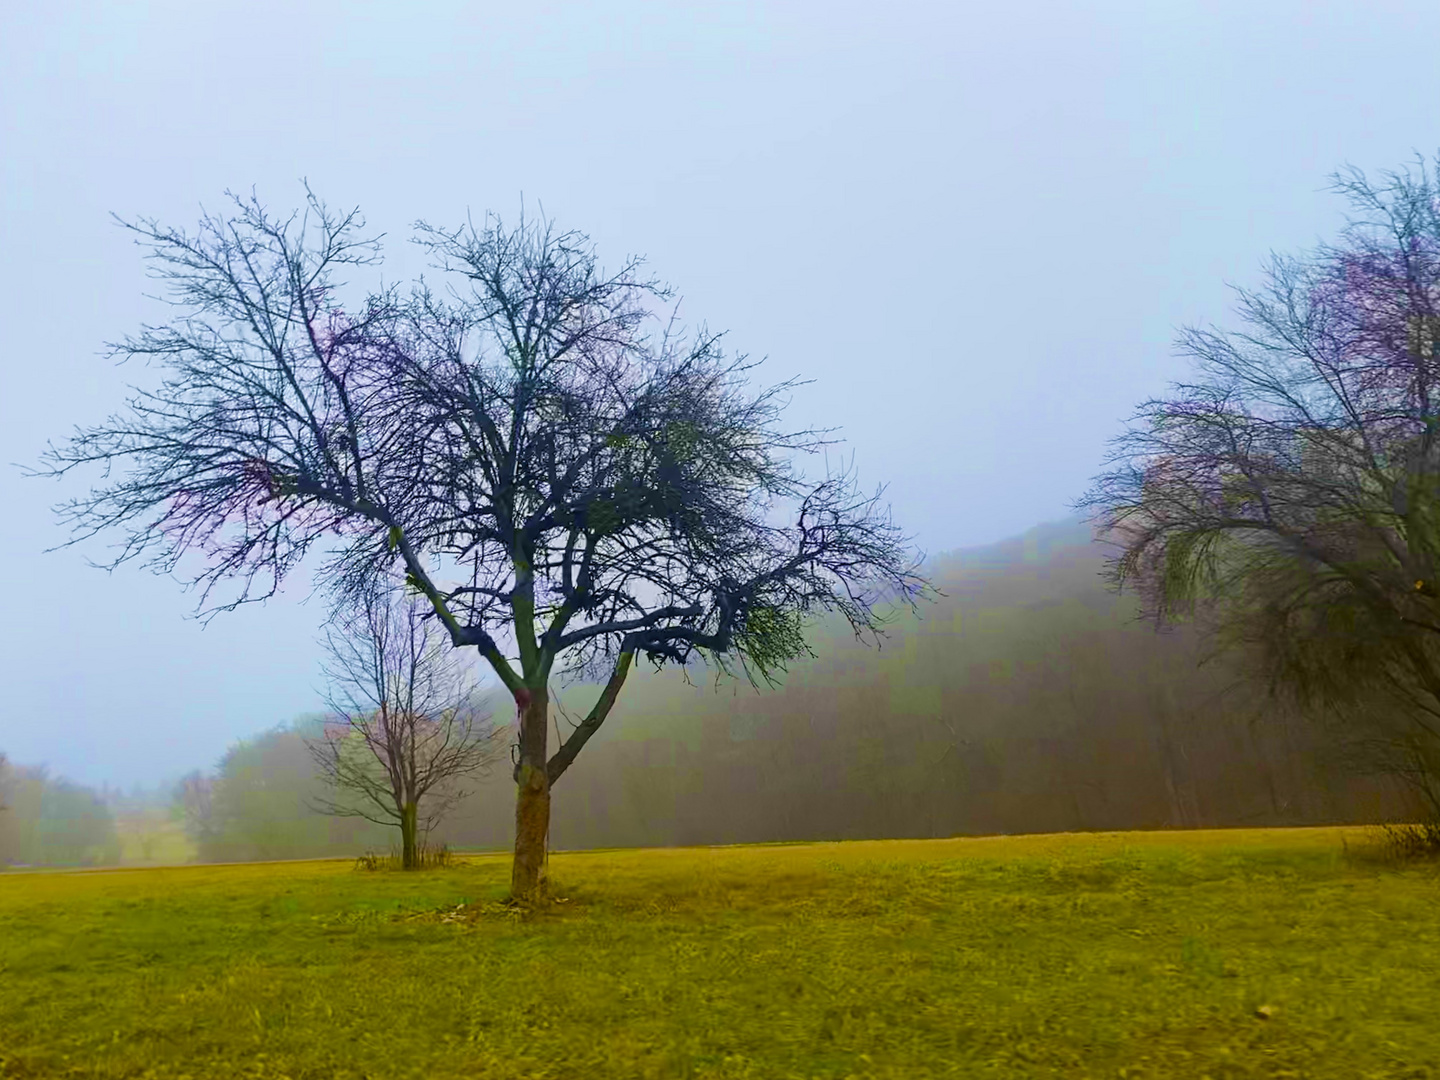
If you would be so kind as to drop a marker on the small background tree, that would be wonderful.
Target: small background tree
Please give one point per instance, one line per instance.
(406, 735)
(193, 803)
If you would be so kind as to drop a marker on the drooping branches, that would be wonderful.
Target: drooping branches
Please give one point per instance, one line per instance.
(271, 429)
(1292, 489)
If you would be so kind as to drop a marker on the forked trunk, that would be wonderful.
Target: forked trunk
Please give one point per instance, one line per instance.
(532, 798)
(409, 853)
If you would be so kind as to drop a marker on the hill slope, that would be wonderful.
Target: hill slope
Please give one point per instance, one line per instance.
(1027, 698)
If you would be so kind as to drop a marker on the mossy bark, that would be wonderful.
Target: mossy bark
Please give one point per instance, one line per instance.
(532, 798)
(409, 850)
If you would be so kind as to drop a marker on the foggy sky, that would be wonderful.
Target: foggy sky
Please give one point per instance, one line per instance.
(975, 226)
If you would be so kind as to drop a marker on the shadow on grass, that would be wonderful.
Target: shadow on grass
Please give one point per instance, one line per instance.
(1391, 845)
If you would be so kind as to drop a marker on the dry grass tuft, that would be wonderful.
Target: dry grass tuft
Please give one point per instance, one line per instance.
(427, 858)
(1415, 841)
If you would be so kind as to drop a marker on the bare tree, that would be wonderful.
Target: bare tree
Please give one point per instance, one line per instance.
(1291, 492)
(566, 476)
(194, 799)
(407, 732)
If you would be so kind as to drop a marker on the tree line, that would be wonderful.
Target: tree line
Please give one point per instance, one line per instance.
(1028, 698)
(50, 821)
(567, 481)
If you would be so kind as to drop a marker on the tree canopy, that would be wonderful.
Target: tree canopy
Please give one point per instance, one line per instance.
(567, 474)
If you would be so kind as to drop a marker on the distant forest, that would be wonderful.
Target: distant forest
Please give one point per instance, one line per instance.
(48, 821)
(1028, 697)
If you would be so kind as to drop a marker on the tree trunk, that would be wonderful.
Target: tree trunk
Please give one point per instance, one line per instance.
(409, 856)
(532, 797)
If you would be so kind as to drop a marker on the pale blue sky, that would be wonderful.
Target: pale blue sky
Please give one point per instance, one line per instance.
(974, 225)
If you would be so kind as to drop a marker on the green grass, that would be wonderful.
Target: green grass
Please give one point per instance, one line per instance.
(1119, 955)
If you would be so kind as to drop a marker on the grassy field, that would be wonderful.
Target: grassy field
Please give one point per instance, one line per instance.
(1220, 954)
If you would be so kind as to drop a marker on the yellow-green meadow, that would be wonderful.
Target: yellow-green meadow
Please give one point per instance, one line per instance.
(1247, 953)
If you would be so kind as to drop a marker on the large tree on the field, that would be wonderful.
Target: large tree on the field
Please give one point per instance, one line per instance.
(1291, 490)
(406, 735)
(568, 478)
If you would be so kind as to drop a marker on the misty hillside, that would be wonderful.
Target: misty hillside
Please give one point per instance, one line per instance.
(1028, 697)
(48, 821)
